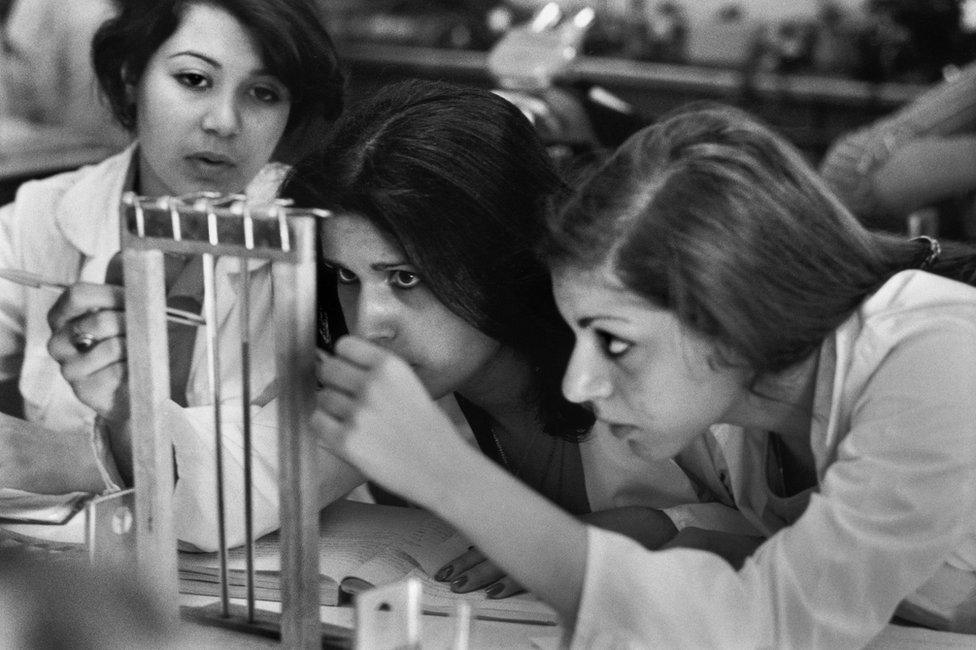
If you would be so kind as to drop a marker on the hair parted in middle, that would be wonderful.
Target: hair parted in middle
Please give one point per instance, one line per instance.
(459, 179)
(714, 216)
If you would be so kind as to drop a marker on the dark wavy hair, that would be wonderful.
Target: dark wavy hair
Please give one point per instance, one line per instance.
(291, 35)
(715, 217)
(459, 179)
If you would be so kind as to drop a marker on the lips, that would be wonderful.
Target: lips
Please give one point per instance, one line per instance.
(622, 431)
(211, 160)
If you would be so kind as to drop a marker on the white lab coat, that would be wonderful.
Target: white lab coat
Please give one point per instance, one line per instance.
(894, 437)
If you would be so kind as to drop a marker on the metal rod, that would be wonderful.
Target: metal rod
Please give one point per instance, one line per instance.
(213, 367)
(174, 214)
(245, 296)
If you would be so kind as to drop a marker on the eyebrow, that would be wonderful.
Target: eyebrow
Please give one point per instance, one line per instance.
(261, 72)
(377, 266)
(587, 321)
(197, 55)
(386, 266)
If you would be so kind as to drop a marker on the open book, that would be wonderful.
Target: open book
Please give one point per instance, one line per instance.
(365, 543)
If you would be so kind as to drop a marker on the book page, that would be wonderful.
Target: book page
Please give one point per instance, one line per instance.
(67, 536)
(381, 545)
(18, 506)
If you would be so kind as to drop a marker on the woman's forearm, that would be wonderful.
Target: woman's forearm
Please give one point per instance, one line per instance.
(541, 546)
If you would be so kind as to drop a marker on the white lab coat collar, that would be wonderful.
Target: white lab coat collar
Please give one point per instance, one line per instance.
(98, 192)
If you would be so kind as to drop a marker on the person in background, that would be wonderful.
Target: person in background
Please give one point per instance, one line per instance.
(920, 156)
(713, 281)
(216, 93)
(46, 75)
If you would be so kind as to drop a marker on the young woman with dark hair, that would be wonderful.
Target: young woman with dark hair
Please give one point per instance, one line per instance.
(713, 282)
(290, 40)
(211, 90)
(464, 199)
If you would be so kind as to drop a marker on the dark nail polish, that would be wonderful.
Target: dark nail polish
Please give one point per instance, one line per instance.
(494, 590)
(459, 583)
(444, 573)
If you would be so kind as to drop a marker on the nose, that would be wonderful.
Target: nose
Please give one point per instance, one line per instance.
(222, 117)
(584, 380)
(375, 318)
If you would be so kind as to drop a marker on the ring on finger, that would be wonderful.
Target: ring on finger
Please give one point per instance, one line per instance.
(82, 340)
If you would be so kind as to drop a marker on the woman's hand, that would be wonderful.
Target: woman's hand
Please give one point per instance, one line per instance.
(472, 570)
(88, 341)
(373, 412)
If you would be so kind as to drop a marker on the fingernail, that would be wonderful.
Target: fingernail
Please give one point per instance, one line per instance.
(494, 590)
(444, 573)
(459, 583)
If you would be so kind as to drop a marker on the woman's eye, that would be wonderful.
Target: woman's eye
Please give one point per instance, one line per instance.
(614, 347)
(192, 80)
(344, 276)
(266, 94)
(404, 279)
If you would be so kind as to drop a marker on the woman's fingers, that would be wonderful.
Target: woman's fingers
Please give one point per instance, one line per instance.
(472, 570)
(83, 298)
(336, 373)
(504, 588)
(479, 576)
(106, 391)
(459, 565)
(354, 368)
(360, 417)
(82, 365)
(338, 404)
(83, 334)
(485, 575)
(360, 352)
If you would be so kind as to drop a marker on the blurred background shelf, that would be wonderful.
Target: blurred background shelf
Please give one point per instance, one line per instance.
(811, 109)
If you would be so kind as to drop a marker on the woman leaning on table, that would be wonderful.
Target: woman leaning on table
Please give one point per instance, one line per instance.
(711, 279)
(213, 91)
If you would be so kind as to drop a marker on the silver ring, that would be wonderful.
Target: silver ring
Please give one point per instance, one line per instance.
(83, 341)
